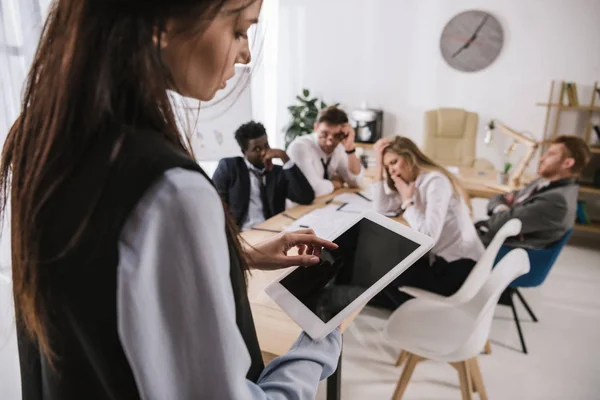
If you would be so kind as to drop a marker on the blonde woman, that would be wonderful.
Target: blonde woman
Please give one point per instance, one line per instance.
(432, 202)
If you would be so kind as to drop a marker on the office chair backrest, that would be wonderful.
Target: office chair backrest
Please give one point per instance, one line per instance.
(541, 261)
(461, 329)
(481, 271)
(482, 306)
(450, 136)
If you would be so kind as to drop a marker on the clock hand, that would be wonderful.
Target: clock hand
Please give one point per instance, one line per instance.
(463, 40)
(480, 26)
(465, 46)
(473, 37)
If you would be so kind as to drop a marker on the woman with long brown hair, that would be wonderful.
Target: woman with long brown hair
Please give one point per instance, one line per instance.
(128, 277)
(432, 202)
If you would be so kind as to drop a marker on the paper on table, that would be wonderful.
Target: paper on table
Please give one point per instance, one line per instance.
(324, 221)
(354, 202)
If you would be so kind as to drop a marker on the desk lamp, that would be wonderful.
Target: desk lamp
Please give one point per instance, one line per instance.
(531, 144)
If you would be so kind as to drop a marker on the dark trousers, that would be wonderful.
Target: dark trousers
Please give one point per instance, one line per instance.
(441, 277)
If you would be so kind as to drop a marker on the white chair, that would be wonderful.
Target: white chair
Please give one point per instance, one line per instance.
(455, 334)
(479, 273)
(474, 281)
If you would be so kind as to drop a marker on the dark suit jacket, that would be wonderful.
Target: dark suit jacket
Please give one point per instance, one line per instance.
(546, 215)
(232, 180)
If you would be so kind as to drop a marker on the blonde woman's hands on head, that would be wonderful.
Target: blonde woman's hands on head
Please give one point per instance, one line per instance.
(379, 147)
(272, 254)
(406, 190)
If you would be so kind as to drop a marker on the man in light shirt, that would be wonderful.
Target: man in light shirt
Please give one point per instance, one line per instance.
(252, 187)
(547, 206)
(328, 157)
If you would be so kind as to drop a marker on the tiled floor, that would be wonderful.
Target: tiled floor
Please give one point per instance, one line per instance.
(563, 364)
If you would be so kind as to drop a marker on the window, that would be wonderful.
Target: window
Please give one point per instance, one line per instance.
(20, 25)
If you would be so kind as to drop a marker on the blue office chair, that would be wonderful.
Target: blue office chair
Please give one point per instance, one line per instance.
(541, 262)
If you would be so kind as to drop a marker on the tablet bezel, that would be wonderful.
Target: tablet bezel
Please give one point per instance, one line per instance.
(311, 323)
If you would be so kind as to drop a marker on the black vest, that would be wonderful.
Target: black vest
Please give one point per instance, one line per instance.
(81, 283)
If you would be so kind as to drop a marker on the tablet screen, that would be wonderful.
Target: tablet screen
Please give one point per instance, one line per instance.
(367, 251)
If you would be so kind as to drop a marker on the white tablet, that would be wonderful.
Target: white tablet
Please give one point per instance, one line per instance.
(373, 250)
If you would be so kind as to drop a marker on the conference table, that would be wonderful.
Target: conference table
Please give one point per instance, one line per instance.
(275, 329)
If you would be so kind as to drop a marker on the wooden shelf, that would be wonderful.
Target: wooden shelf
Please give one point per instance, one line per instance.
(367, 146)
(589, 189)
(594, 227)
(564, 107)
(595, 149)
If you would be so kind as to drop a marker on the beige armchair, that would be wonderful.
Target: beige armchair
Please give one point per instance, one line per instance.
(450, 135)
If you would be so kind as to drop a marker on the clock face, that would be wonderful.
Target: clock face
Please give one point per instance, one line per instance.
(471, 41)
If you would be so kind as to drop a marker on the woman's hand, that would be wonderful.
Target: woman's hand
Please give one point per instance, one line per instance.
(272, 253)
(379, 147)
(405, 190)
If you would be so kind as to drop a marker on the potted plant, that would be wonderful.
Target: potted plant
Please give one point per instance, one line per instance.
(503, 176)
(303, 115)
(488, 132)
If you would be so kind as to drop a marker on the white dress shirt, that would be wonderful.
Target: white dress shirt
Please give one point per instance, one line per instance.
(438, 212)
(255, 213)
(307, 154)
(176, 311)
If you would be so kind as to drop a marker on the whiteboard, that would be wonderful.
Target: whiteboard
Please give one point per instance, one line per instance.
(210, 126)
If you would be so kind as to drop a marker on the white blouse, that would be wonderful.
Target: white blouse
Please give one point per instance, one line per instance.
(438, 212)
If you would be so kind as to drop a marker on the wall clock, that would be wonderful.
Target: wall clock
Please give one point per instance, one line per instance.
(471, 41)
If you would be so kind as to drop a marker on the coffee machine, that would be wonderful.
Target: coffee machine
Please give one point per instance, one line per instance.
(368, 124)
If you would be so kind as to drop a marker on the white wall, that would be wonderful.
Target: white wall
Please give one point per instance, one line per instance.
(386, 52)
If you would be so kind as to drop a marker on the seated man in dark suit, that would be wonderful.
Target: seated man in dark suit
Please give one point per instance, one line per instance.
(547, 206)
(255, 189)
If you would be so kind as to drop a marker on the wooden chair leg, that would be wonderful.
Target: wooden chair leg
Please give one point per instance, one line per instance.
(488, 347)
(464, 375)
(477, 378)
(401, 358)
(411, 363)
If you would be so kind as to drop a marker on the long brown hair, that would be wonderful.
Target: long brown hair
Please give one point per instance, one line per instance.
(413, 156)
(96, 69)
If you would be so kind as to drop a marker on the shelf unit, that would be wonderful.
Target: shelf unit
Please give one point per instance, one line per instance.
(554, 108)
(575, 108)
(594, 227)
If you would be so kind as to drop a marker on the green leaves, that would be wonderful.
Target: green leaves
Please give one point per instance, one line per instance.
(303, 116)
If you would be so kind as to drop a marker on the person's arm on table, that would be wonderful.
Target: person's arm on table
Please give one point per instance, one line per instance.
(176, 308)
(383, 202)
(299, 189)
